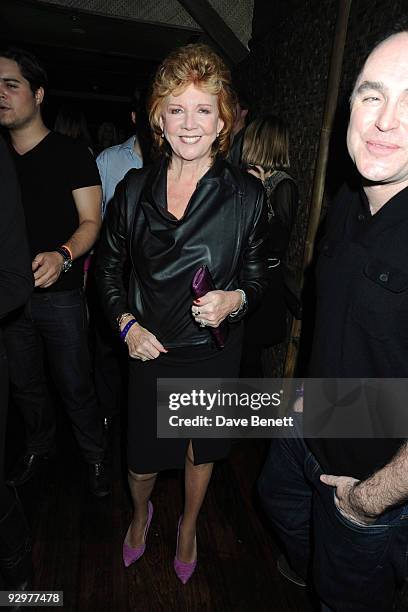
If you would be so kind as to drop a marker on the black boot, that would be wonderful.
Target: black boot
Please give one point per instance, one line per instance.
(15, 548)
(99, 483)
(27, 467)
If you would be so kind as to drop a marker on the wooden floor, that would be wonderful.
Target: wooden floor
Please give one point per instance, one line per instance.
(78, 540)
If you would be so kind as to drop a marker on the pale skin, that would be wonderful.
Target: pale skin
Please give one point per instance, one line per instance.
(377, 141)
(20, 113)
(258, 172)
(190, 122)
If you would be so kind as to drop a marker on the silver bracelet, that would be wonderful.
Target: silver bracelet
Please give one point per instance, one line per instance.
(122, 316)
(242, 305)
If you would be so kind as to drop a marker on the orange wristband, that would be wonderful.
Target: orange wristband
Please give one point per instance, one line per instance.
(64, 246)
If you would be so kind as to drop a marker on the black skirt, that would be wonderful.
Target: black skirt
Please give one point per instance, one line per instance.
(146, 453)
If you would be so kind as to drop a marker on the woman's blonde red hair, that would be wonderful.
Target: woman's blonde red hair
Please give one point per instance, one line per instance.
(199, 65)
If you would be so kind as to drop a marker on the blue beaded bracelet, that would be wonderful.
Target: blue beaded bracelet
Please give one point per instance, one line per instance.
(125, 330)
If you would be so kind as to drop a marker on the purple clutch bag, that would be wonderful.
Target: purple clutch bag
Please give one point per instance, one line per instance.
(201, 284)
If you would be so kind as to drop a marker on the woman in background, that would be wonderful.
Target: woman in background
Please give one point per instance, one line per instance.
(71, 121)
(107, 136)
(265, 154)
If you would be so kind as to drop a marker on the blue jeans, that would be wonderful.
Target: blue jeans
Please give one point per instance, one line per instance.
(54, 322)
(352, 568)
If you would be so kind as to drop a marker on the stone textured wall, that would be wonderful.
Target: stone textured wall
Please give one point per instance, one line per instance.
(286, 73)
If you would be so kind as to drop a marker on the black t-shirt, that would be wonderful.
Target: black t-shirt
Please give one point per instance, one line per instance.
(48, 175)
(361, 328)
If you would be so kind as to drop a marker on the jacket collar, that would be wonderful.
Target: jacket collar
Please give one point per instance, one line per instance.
(156, 187)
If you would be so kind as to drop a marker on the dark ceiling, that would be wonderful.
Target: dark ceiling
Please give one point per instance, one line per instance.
(99, 61)
(86, 55)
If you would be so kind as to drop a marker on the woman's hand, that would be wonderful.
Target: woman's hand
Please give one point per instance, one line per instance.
(258, 172)
(215, 306)
(141, 343)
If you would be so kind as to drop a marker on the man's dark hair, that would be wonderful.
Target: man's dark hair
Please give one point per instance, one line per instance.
(29, 65)
(135, 102)
(243, 99)
(398, 27)
(138, 105)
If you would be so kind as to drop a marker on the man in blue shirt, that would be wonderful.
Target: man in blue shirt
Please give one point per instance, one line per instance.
(114, 162)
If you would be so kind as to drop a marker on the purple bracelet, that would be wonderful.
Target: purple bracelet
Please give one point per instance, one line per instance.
(125, 330)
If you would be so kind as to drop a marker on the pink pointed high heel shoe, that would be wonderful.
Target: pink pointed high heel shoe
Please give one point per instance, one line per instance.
(183, 570)
(130, 554)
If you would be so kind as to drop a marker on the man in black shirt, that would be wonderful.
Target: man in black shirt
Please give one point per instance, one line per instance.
(355, 547)
(61, 197)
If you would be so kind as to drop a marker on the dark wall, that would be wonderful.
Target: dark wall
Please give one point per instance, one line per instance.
(286, 73)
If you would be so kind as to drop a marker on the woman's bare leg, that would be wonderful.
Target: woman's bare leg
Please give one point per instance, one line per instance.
(197, 478)
(141, 486)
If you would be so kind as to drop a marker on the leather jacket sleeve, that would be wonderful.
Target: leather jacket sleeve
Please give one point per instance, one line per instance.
(112, 256)
(253, 278)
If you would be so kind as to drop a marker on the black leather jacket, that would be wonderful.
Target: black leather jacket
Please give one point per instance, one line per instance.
(16, 277)
(224, 226)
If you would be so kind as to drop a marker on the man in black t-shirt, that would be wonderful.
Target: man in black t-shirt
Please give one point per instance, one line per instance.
(61, 196)
(340, 506)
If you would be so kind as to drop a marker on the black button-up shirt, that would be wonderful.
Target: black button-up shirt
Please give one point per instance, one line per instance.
(362, 313)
